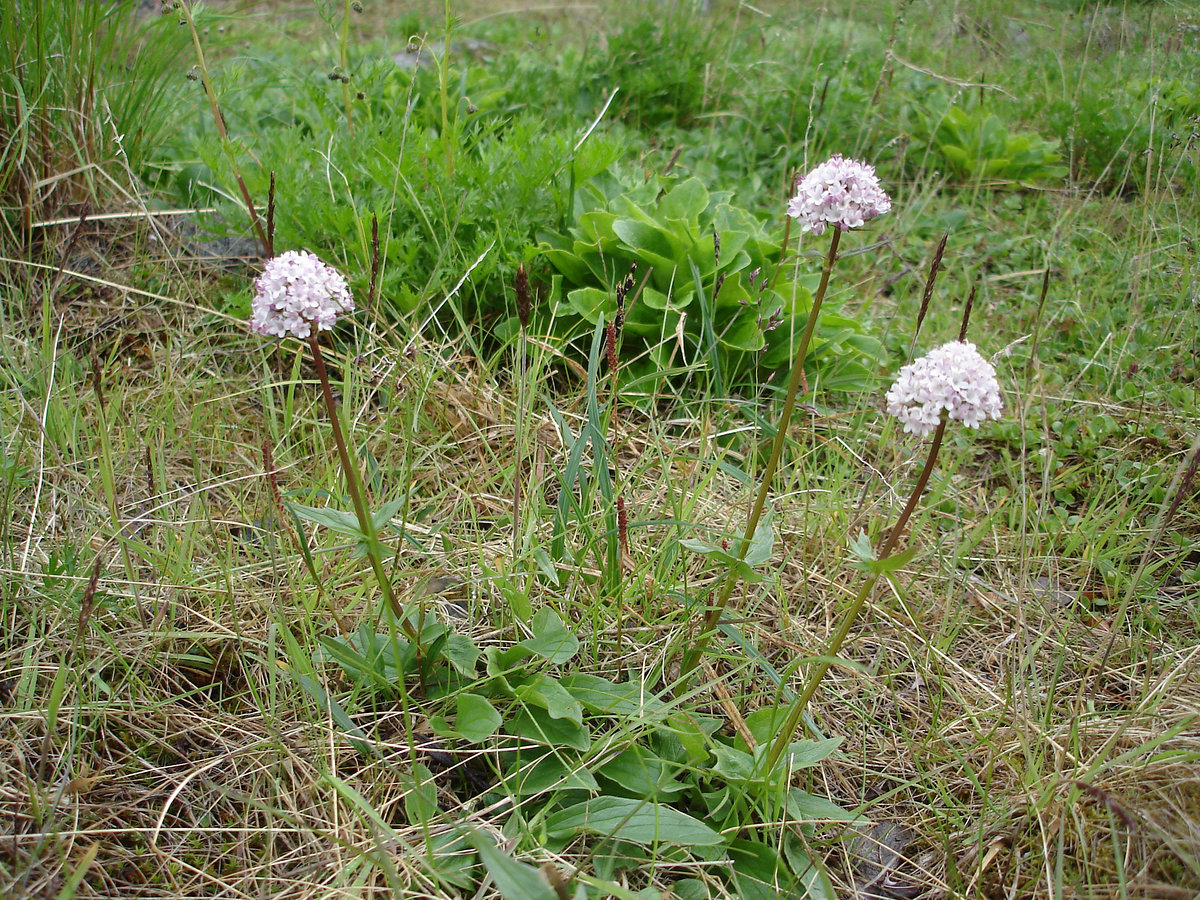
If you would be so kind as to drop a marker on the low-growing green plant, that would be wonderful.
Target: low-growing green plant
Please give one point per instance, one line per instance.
(978, 146)
(1120, 134)
(660, 61)
(713, 294)
(1026, 681)
(435, 224)
(618, 762)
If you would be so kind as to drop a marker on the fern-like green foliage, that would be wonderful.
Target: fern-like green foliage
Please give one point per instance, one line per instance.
(698, 308)
(978, 145)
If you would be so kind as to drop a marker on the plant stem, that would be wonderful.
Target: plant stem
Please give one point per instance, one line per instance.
(354, 485)
(344, 64)
(443, 85)
(713, 618)
(784, 737)
(519, 474)
(186, 8)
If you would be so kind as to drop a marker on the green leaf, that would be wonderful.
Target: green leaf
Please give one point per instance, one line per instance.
(637, 821)
(552, 772)
(376, 666)
(531, 723)
(551, 639)
(567, 263)
(545, 566)
(804, 754)
(476, 719)
(734, 766)
(756, 870)
(744, 333)
(638, 771)
(451, 858)
(690, 733)
(811, 876)
(686, 201)
(334, 519)
(628, 700)
(724, 557)
(805, 807)
(763, 541)
(420, 800)
(864, 552)
(895, 561)
(862, 548)
(513, 879)
(591, 303)
(461, 653)
(653, 245)
(657, 300)
(544, 691)
(500, 662)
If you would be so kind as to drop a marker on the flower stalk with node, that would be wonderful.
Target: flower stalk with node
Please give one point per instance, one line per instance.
(846, 194)
(952, 383)
(298, 295)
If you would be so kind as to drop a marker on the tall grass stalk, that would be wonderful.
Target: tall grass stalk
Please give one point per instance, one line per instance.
(344, 62)
(80, 84)
(185, 8)
(784, 736)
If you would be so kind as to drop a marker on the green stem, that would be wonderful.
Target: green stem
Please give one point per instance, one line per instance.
(520, 435)
(354, 485)
(219, 120)
(713, 618)
(344, 63)
(443, 85)
(784, 737)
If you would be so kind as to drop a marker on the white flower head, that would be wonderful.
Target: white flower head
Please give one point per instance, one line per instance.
(841, 192)
(297, 294)
(954, 378)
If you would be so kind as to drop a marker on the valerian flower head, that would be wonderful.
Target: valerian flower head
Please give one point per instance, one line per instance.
(298, 294)
(841, 192)
(954, 378)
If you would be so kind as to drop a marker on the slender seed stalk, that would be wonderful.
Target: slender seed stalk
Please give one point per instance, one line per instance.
(444, 89)
(344, 65)
(784, 737)
(524, 308)
(712, 619)
(354, 485)
(185, 8)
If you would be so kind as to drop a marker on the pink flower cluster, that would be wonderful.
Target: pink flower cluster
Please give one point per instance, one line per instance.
(297, 294)
(953, 378)
(841, 192)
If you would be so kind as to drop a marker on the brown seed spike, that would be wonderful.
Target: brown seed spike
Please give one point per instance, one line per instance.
(622, 525)
(524, 298)
(270, 248)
